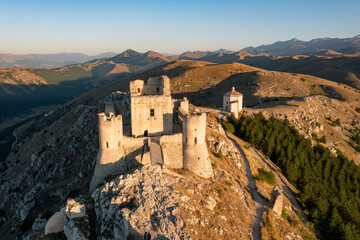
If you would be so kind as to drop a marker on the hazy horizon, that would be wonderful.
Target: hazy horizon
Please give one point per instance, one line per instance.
(91, 27)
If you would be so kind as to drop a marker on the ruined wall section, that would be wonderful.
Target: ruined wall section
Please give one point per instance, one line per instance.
(119, 104)
(172, 150)
(136, 151)
(196, 156)
(153, 86)
(151, 115)
(110, 159)
(136, 87)
(181, 108)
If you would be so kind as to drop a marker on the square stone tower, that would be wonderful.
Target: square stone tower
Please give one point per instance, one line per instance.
(151, 107)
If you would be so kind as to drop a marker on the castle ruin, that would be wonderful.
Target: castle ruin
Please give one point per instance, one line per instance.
(159, 130)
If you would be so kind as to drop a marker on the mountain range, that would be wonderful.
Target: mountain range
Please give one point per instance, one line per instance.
(320, 46)
(47, 60)
(296, 47)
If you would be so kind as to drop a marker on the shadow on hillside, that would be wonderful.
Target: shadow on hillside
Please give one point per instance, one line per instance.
(335, 69)
(244, 83)
(331, 92)
(15, 99)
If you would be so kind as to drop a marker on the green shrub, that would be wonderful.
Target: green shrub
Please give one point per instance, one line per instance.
(220, 192)
(323, 139)
(228, 127)
(336, 122)
(284, 214)
(218, 155)
(265, 176)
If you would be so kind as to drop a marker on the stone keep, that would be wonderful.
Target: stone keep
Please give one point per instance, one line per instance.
(233, 102)
(110, 156)
(196, 156)
(151, 107)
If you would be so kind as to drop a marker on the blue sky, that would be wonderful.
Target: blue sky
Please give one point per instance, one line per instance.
(92, 27)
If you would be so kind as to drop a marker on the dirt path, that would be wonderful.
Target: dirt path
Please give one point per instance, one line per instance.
(255, 195)
(286, 189)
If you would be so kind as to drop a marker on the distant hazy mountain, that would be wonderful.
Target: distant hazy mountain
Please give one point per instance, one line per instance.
(296, 47)
(47, 60)
(222, 50)
(24, 88)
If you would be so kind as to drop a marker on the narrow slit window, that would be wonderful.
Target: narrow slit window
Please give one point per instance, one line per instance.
(195, 140)
(107, 145)
(157, 90)
(152, 112)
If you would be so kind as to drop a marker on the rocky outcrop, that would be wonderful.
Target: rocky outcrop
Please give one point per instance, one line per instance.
(137, 202)
(76, 220)
(277, 201)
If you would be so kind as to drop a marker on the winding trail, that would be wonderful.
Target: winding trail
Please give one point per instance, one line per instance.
(259, 202)
(279, 179)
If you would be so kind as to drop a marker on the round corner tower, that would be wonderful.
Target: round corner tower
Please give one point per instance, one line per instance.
(110, 132)
(196, 156)
(110, 156)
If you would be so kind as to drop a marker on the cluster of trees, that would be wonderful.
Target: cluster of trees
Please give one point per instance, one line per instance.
(329, 186)
(356, 138)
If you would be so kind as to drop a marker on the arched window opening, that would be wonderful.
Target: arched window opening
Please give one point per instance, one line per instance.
(139, 90)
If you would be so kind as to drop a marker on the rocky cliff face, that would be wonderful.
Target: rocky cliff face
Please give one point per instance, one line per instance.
(46, 168)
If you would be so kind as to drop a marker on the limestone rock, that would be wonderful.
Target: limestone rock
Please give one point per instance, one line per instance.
(210, 203)
(76, 221)
(137, 202)
(55, 223)
(77, 229)
(75, 209)
(277, 200)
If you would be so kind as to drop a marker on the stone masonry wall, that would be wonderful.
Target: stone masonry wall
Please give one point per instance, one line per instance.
(172, 150)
